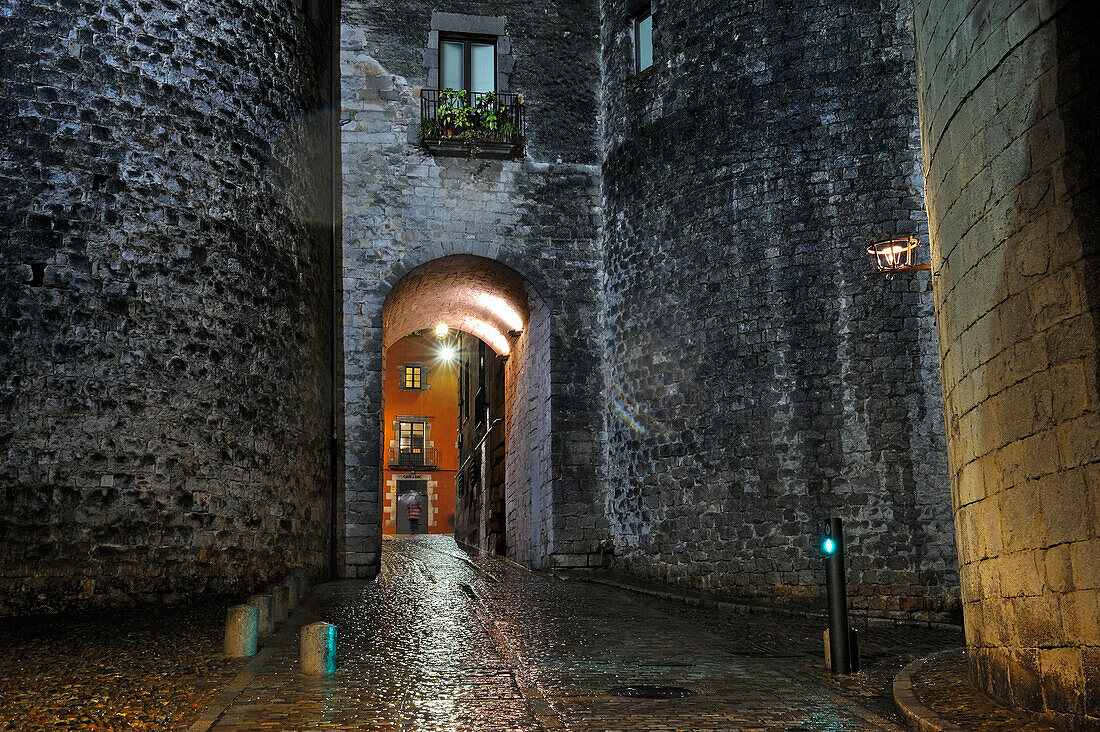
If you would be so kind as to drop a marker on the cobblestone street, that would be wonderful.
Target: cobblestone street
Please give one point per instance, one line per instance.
(151, 668)
(443, 641)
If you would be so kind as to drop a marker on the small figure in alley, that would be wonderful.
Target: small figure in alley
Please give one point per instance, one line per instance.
(413, 507)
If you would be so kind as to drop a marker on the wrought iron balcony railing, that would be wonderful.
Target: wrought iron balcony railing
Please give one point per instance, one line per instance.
(483, 124)
(420, 457)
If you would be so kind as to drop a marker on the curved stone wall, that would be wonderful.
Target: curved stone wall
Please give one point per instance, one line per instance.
(761, 377)
(164, 354)
(1008, 99)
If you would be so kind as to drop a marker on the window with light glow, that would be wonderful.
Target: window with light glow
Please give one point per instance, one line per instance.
(412, 376)
(410, 438)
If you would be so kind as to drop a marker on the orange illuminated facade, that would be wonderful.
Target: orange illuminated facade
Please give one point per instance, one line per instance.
(419, 436)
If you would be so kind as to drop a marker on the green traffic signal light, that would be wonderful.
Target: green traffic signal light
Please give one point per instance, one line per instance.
(828, 546)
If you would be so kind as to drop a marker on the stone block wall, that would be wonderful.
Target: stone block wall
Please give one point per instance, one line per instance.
(538, 215)
(529, 485)
(1008, 100)
(761, 376)
(165, 270)
(483, 524)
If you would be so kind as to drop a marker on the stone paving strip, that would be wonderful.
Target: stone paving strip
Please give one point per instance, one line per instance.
(412, 655)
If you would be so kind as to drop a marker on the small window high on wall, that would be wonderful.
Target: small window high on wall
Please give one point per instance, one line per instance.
(643, 42)
(468, 63)
(412, 376)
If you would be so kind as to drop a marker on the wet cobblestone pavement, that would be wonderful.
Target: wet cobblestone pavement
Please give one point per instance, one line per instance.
(446, 641)
(142, 669)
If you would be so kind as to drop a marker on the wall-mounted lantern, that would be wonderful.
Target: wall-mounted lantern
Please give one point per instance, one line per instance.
(896, 255)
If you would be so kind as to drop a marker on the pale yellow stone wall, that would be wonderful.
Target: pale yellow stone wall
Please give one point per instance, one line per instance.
(1011, 162)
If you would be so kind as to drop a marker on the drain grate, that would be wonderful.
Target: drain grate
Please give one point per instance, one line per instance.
(651, 691)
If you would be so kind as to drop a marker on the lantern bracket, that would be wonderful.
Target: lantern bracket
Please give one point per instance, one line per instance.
(895, 255)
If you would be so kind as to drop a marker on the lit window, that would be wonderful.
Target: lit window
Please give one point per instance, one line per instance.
(412, 376)
(643, 42)
(468, 63)
(410, 442)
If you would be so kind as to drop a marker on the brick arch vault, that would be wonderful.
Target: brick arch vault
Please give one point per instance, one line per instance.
(553, 472)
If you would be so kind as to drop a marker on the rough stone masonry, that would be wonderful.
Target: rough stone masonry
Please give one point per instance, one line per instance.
(164, 305)
(760, 376)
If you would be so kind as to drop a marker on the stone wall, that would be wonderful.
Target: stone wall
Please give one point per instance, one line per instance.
(482, 525)
(1008, 103)
(529, 485)
(165, 339)
(761, 376)
(538, 215)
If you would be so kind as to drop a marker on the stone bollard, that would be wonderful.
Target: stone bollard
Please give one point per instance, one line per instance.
(318, 649)
(242, 626)
(282, 604)
(292, 591)
(265, 604)
(301, 576)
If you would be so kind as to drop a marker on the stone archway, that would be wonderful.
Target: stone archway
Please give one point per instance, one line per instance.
(552, 484)
(492, 302)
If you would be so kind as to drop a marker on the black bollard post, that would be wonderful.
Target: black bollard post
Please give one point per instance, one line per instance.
(835, 582)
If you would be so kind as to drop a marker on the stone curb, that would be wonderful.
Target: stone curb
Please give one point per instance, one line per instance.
(916, 714)
(747, 609)
(537, 700)
(734, 607)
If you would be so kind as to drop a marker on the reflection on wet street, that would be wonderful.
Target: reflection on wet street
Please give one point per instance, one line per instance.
(449, 641)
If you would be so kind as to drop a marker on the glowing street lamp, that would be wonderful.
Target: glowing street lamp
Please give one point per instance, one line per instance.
(896, 255)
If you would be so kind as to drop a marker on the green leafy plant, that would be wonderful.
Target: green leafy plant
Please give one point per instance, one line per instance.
(452, 112)
(472, 121)
(485, 114)
(429, 127)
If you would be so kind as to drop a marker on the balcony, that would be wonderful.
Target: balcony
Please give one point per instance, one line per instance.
(482, 124)
(415, 458)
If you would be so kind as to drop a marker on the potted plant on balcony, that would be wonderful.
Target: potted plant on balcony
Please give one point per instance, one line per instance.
(453, 113)
(508, 132)
(485, 114)
(429, 128)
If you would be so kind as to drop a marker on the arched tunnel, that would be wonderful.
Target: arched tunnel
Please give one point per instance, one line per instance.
(495, 328)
